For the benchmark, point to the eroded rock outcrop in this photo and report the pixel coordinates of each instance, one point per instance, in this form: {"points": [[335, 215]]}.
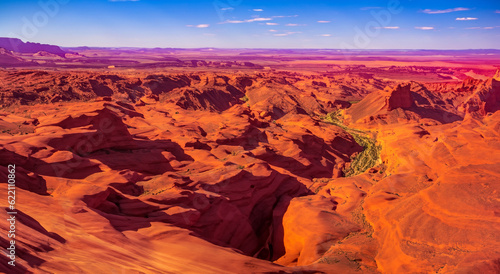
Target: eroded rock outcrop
{"points": [[399, 97], [485, 98]]}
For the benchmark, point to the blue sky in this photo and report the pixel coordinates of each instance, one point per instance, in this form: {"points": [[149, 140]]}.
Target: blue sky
{"points": [[388, 24]]}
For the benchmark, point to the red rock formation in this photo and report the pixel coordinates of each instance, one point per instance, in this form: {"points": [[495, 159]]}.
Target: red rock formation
{"points": [[485, 98], [227, 178], [399, 97], [215, 173]]}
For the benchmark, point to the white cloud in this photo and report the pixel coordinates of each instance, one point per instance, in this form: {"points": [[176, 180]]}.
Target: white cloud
{"points": [[429, 11], [395, 27], [324, 22], [283, 16], [227, 8], [233, 22], [258, 10], [198, 26], [325, 35], [292, 25], [287, 33], [482, 27], [466, 18], [258, 19], [425, 28], [497, 11], [273, 30]]}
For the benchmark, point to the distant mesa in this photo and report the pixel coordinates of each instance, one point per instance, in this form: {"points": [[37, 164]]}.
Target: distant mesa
{"points": [[7, 54], [16, 45], [74, 55], [8, 58], [46, 54]]}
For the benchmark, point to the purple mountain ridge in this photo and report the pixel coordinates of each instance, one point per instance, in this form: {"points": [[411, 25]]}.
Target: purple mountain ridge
{"points": [[17, 45]]}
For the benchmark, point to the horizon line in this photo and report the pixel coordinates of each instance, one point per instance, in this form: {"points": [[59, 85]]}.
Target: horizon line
{"points": [[237, 48], [242, 48]]}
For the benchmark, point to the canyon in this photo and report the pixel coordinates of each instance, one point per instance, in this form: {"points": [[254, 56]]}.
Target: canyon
{"points": [[297, 163]]}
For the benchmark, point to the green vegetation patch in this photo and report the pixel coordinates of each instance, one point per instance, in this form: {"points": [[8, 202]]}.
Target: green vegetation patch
{"points": [[370, 155], [365, 160]]}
